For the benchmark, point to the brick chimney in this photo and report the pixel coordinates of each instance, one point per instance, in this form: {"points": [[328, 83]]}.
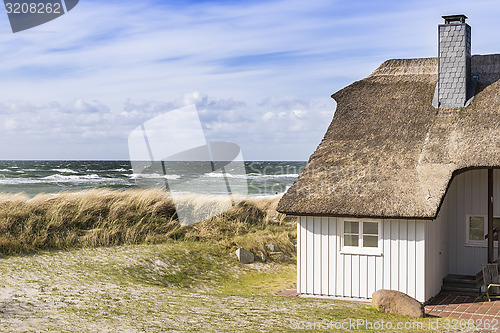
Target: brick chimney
{"points": [[454, 73]]}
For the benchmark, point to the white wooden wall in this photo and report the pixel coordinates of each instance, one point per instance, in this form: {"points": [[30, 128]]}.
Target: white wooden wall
{"points": [[468, 195], [417, 254], [436, 255], [323, 270]]}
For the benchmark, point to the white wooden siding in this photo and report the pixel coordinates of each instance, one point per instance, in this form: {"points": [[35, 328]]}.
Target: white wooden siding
{"points": [[332, 246], [436, 254], [416, 254], [436, 259], [420, 267], [323, 270], [467, 195]]}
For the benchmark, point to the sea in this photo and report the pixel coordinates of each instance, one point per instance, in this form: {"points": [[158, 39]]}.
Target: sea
{"points": [[257, 178]]}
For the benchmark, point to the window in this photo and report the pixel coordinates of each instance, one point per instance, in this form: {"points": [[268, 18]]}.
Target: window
{"points": [[351, 233], [360, 237], [477, 228]]}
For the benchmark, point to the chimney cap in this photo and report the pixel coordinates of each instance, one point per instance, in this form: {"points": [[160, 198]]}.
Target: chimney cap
{"points": [[448, 19]]}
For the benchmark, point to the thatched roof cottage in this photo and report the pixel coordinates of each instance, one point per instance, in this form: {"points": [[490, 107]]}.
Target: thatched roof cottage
{"points": [[397, 194]]}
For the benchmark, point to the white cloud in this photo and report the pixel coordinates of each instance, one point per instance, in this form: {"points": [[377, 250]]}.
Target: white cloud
{"points": [[81, 123], [260, 73]]}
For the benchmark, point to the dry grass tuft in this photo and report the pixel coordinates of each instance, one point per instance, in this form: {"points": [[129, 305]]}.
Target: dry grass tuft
{"points": [[105, 217], [90, 218]]}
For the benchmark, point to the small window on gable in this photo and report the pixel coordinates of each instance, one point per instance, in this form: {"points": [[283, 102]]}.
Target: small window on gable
{"points": [[361, 237]]}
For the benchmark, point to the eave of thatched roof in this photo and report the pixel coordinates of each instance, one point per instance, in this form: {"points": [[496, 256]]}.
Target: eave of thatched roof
{"points": [[389, 153]]}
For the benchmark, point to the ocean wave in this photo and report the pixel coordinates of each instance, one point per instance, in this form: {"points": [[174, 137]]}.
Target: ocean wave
{"points": [[54, 176], [18, 181], [286, 175], [228, 175], [144, 175], [65, 170], [13, 171], [214, 175], [250, 175], [28, 181], [63, 178], [152, 176]]}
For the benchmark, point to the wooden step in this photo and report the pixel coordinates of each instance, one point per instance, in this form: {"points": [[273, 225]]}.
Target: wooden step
{"points": [[460, 289], [462, 283], [464, 279]]}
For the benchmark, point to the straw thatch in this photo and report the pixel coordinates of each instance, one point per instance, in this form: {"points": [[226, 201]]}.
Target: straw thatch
{"points": [[389, 153]]}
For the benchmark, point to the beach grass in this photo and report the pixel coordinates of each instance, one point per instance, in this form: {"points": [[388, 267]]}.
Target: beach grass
{"points": [[103, 217]]}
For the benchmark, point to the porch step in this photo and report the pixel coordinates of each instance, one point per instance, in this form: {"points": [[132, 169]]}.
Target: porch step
{"points": [[462, 283]]}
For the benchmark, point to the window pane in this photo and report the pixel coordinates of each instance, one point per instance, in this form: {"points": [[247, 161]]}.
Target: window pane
{"points": [[496, 222], [476, 228], [370, 241], [370, 228], [476, 234], [476, 222], [351, 227], [496, 225], [351, 240]]}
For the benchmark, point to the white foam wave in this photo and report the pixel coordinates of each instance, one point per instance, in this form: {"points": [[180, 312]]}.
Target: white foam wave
{"points": [[81, 178], [244, 176], [286, 175], [152, 176], [221, 175], [64, 170], [145, 175], [16, 181], [214, 175]]}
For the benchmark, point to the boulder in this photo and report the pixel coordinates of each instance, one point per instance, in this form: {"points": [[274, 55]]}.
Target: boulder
{"points": [[397, 303], [245, 256], [261, 256]]}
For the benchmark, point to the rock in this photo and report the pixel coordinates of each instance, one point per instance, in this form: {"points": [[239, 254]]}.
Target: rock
{"points": [[271, 247], [261, 256], [245, 256], [397, 303], [277, 256]]}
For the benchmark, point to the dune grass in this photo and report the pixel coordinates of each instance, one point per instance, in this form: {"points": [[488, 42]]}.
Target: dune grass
{"points": [[102, 217]]}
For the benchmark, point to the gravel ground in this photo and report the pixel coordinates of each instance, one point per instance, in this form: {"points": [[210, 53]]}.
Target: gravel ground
{"points": [[87, 291], [90, 290]]}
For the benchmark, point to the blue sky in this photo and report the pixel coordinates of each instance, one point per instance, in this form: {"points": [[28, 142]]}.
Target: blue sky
{"points": [[260, 72]]}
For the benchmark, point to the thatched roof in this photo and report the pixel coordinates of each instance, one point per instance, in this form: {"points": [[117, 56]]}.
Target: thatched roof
{"points": [[389, 153]]}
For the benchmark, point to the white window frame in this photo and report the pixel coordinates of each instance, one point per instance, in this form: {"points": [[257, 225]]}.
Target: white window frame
{"points": [[478, 243], [370, 251]]}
